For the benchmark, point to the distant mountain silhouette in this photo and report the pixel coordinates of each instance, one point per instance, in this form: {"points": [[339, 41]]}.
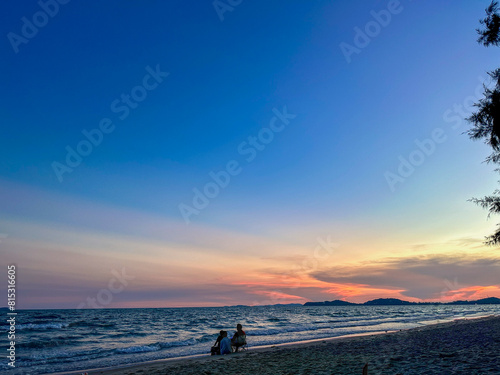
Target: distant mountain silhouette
{"points": [[488, 301], [387, 301], [277, 304], [337, 302], [398, 302]]}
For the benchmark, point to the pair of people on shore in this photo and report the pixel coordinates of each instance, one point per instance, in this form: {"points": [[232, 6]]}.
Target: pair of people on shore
{"points": [[225, 346], [222, 345]]}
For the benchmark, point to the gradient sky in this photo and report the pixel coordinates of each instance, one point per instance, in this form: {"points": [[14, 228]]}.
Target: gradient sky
{"points": [[323, 207]]}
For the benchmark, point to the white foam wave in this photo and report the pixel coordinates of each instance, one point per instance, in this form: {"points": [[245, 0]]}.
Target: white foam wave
{"points": [[36, 327], [139, 349]]}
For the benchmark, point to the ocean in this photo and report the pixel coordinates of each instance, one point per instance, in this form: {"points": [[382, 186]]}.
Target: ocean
{"points": [[67, 340]]}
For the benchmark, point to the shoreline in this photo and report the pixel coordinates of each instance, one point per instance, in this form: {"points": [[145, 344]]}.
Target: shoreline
{"points": [[252, 349], [185, 364]]}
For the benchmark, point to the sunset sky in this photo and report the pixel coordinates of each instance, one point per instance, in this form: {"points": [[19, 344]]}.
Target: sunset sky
{"points": [[198, 153]]}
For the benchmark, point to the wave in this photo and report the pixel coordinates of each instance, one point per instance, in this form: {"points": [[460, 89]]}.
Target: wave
{"points": [[275, 320], [85, 323], [127, 334], [95, 339], [178, 343], [49, 316], [37, 327], [49, 343], [41, 344], [155, 347], [139, 349], [316, 326]]}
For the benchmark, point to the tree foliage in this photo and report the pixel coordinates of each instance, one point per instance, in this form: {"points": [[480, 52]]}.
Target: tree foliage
{"points": [[486, 120], [491, 34], [492, 204]]}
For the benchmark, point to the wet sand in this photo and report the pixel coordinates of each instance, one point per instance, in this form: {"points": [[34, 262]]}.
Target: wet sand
{"points": [[459, 347]]}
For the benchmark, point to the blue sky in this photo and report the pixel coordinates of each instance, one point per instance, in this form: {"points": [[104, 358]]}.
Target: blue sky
{"points": [[324, 174]]}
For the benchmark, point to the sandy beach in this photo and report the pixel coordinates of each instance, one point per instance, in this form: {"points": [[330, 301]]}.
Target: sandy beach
{"points": [[458, 347]]}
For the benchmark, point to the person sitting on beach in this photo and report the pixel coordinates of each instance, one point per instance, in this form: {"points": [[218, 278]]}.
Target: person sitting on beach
{"points": [[216, 347], [225, 344], [239, 338]]}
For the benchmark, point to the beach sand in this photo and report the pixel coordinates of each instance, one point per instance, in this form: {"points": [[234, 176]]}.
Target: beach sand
{"points": [[458, 347]]}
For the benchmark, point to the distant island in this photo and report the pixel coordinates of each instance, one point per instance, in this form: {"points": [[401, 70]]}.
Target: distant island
{"points": [[277, 304], [398, 302]]}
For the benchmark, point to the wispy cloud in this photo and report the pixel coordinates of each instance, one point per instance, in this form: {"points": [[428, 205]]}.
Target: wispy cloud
{"points": [[421, 277]]}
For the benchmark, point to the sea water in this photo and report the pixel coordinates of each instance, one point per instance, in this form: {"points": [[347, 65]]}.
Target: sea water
{"points": [[66, 340]]}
